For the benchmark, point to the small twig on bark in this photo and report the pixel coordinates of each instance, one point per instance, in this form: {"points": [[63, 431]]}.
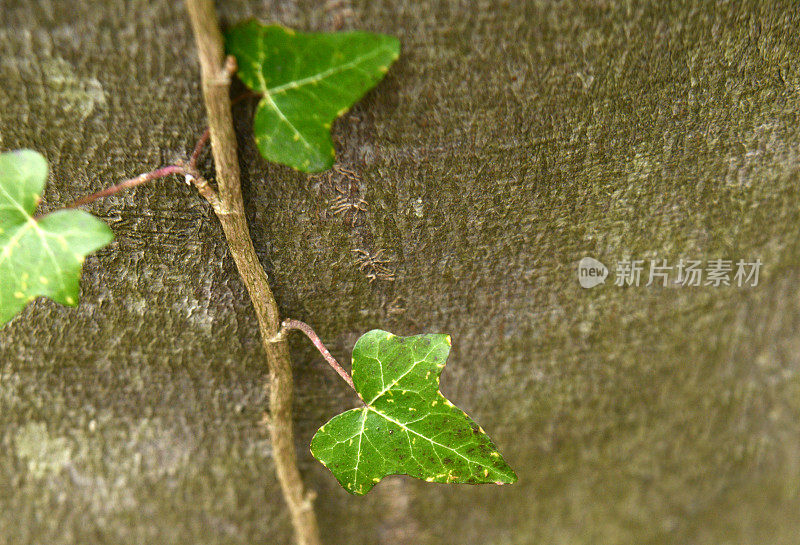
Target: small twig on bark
{"points": [[297, 325]]}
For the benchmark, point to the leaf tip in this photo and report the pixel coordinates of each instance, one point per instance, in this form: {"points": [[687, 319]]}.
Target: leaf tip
{"points": [[510, 479]]}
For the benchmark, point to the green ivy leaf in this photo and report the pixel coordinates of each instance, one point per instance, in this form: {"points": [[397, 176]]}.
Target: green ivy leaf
{"points": [[408, 426], [39, 256], [307, 80]]}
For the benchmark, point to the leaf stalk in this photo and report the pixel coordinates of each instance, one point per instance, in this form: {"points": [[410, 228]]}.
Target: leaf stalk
{"points": [[306, 329], [132, 182]]}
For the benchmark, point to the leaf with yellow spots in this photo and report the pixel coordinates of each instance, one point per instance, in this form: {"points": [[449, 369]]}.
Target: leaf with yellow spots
{"points": [[44, 255], [406, 426], [306, 81]]}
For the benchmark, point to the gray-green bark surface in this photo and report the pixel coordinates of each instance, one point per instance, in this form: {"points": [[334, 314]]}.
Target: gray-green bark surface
{"points": [[510, 140]]}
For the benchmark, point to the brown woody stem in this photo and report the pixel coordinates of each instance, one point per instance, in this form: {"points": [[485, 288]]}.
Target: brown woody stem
{"points": [[216, 72]]}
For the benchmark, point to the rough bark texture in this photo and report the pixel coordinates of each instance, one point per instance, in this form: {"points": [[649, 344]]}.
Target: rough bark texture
{"points": [[510, 140]]}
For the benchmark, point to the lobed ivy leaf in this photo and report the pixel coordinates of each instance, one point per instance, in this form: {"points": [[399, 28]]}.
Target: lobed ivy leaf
{"points": [[307, 80], [39, 256], [408, 426]]}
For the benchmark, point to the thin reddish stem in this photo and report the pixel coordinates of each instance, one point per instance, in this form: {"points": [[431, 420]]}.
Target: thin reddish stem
{"points": [[244, 96], [198, 148], [201, 143], [133, 182], [314, 338], [161, 172]]}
